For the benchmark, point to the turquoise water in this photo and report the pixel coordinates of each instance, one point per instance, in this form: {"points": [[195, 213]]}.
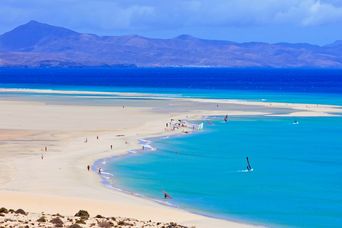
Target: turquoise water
{"points": [[249, 95], [296, 179]]}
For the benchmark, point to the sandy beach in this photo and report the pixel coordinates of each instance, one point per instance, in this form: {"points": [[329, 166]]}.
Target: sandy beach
{"points": [[77, 132]]}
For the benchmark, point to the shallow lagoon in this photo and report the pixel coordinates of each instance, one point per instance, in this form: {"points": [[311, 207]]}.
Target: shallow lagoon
{"points": [[295, 182]]}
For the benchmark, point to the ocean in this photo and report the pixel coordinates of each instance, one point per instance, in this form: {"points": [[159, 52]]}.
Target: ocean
{"points": [[323, 86], [296, 167]]}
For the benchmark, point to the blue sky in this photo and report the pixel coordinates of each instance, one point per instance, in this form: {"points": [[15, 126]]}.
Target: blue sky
{"points": [[311, 21]]}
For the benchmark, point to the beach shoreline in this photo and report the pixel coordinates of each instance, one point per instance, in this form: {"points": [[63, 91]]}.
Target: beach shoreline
{"points": [[139, 151], [83, 186]]}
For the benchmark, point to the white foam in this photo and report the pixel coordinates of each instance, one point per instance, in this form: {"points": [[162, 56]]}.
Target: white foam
{"points": [[245, 171], [51, 91], [164, 202], [90, 93], [148, 146], [107, 174], [144, 141]]}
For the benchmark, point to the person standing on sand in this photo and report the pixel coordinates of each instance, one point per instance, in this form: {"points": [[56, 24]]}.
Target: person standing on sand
{"points": [[111, 147], [88, 167], [97, 137], [42, 157], [100, 171], [45, 148]]}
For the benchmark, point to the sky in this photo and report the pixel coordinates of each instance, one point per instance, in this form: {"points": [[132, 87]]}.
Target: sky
{"points": [[295, 21]]}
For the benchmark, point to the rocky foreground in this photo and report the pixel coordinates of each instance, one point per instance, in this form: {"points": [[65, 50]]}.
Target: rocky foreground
{"points": [[22, 219]]}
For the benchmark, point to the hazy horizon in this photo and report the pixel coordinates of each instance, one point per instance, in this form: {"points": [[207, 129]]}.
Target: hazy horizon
{"points": [[178, 35], [271, 21]]}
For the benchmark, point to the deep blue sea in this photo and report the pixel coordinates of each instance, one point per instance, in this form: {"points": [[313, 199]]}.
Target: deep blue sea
{"points": [[296, 179], [322, 86]]}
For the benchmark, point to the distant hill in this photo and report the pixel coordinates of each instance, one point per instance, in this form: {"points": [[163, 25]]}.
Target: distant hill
{"points": [[36, 44]]}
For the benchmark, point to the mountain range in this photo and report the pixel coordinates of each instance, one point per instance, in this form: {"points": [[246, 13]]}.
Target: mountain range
{"points": [[36, 44]]}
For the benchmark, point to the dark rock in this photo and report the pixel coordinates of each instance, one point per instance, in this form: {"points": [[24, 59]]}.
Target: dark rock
{"points": [[75, 226], [99, 216], [57, 222], [20, 211], [3, 210], [174, 225], [41, 219], [105, 224], [123, 223], [83, 214]]}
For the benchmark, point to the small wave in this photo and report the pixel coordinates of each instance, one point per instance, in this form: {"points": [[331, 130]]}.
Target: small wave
{"points": [[101, 94], [64, 92], [244, 171], [147, 146], [144, 141], [164, 202], [107, 174]]}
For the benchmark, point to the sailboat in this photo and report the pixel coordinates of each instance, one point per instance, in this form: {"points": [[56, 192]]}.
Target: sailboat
{"points": [[249, 167]]}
